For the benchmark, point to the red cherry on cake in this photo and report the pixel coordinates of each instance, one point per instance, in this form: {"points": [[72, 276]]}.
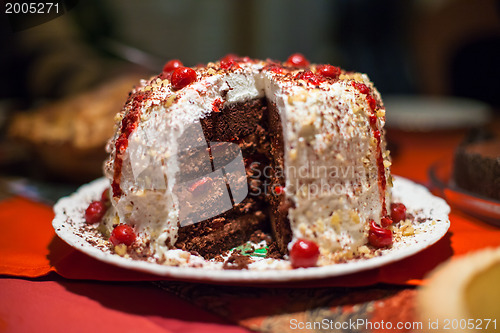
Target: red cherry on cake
{"points": [[230, 60], [398, 212], [297, 60], [226, 64], [328, 71], [230, 56], [172, 65], [378, 236], [122, 234], [95, 212], [182, 77], [304, 253]]}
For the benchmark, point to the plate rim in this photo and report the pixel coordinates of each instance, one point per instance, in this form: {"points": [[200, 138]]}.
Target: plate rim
{"points": [[255, 275]]}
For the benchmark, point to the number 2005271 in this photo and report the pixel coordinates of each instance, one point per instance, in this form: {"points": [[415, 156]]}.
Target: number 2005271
{"points": [[31, 7], [471, 324]]}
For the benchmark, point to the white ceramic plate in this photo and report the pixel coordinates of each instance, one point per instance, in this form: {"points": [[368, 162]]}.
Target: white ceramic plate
{"points": [[69, 220], [427, 113]]}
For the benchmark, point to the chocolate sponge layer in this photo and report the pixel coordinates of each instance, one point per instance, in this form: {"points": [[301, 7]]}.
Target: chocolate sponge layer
{"points": [[255, 126]]}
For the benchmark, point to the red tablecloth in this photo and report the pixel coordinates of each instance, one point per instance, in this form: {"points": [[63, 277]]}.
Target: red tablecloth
{"points": [[58, 305]]}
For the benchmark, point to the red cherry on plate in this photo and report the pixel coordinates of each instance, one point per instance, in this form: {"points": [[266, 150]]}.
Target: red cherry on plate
{"points": [[328, 71], [398, 212], [304, 253], [378, 236], [172, 65], [95, 212], [182, 77], [297, 60], [122, 234]]}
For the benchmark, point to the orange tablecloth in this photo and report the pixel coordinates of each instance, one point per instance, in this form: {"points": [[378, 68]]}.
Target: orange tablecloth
{"points": [[30, 249]]}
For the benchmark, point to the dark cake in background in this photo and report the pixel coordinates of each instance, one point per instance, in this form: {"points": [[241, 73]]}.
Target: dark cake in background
{"points": [[477, 164]]}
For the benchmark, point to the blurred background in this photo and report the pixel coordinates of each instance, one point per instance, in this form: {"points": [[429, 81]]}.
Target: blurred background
{"points": [[62, 81]]}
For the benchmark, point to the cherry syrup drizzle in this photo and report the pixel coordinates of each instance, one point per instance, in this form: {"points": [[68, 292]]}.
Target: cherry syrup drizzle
{"points": [[128, 125], [372, 103]]}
